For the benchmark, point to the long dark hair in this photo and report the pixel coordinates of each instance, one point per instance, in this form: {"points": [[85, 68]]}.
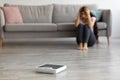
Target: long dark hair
{"points": [[95, 28]]}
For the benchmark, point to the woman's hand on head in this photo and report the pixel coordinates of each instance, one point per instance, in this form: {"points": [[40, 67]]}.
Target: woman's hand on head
{"points": [[88, 12], [77, 20]]}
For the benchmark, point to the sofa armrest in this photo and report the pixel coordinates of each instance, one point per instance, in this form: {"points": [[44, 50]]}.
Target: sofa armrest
{"points": [[106, 17], [2, 22]]}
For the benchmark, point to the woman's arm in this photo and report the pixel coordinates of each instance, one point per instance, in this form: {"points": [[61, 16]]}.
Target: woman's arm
{"points": [[77, 21], [91, 20]]}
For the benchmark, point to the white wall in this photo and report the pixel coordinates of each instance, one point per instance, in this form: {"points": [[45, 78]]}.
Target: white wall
{"points": [[102, 4]]}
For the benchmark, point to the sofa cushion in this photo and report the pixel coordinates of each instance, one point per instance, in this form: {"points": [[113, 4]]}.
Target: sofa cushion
{"points": [[67, 13], [65, 27], [35, 14], [12, 15], [97, 13], [31, 27], [101, 25]]}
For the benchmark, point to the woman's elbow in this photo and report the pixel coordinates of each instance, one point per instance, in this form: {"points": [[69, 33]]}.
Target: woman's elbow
{"points": [[76, 25]]}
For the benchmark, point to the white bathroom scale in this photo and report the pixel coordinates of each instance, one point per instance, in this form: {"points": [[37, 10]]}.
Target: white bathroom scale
{"points": [[50, 68]]}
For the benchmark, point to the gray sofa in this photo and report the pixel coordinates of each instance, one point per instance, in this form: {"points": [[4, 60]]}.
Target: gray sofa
{"points": [[54, 20]]}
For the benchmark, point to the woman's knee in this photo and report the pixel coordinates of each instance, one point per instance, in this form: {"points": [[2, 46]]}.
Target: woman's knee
{"points": [[80, 26], [86, 27]]}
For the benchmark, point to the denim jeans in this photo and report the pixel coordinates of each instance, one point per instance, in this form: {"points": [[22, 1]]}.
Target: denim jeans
{"points": [[85, 35]]}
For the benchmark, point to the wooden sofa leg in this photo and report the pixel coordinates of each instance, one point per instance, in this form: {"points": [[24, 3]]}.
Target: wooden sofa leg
{"points": [[108, 40], [97, 40], [1, 43]]}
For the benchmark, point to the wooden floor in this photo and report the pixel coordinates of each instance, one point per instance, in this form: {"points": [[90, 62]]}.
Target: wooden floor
{"points": [[18, 59]]}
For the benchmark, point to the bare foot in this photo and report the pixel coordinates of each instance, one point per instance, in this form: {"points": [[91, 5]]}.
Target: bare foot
{"points": [[80, 48], [85, 48]]}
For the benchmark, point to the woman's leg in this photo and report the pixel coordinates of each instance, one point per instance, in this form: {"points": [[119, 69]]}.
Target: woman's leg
{"points": [[92, 39], [79, 37], [89, 37], [86, 34], [86, 37]]}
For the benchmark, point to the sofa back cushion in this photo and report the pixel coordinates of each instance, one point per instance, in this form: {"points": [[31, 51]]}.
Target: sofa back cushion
{"points": [[12, 15], [35, 14], [67, 13]]}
